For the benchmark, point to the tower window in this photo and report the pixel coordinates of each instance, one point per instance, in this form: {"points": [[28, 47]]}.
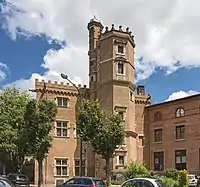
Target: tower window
{"points": [[92, 78], [120, 68], [120, 49]]}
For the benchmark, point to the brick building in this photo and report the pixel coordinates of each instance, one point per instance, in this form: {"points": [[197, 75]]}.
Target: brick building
{"points": [[172, 135], [111, 80]]}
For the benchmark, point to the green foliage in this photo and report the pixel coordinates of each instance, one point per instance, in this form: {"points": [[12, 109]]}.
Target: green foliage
{"points": [[104, 131], [183, 178], [39, 117], [136, 170], [172, 173], [169, 182], [13, 144]]}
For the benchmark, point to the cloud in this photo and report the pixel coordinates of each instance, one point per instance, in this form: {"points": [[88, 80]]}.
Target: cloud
{"points": [[166, 31], [4, 70], [182, 94]]}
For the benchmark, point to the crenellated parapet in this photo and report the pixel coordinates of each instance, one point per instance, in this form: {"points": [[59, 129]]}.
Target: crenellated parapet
{"points": [[143, 100], [126, 32], [57, 88]]}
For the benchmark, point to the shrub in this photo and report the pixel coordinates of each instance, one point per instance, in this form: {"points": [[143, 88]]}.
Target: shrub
{"points": [[136, 170], [183, 178], [169, 182], [172, 173]]}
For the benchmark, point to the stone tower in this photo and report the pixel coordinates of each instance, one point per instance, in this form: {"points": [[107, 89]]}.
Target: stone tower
{"points": [[111, 61]]}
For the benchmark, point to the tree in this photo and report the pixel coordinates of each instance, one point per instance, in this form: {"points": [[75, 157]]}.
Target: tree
{"points": [[39, 117], [103, 130], [13, 146]]}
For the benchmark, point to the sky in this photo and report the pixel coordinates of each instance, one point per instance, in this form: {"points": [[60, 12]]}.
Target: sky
{"points": [[43, 38]]}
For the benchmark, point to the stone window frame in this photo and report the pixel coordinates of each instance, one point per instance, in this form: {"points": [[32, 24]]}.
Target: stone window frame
{"points": [[61, 166], [158, 135], [67, 128], [120, 43], [64, 102], [119, 109], [180, 112], [160, 158], [180, 159], [180, 132], [93, 78], [131, 96], [120, 63], [118, 155], [78, 166]]}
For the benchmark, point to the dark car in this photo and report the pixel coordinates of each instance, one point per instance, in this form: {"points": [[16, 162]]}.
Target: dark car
{"points": [[4, 182], [19, 180], [83, 182]]}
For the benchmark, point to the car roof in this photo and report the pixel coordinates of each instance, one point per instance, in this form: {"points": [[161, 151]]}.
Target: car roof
{"points": [[143, 178], [92, 178]]}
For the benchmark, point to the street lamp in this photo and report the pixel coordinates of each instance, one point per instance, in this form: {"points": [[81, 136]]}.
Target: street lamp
{"points": [[64, 76]]}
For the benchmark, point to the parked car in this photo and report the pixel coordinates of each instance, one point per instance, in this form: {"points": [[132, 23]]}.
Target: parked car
{"points": [[83, 182], [19, 180], [4, 182], [143, 182], [193, 180]]}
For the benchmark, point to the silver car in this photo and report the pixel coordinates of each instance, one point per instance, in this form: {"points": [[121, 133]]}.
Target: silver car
{"points": [[193, 180], [143, 182]]}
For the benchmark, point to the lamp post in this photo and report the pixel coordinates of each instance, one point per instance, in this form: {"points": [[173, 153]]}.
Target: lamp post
{"points": [[64, 76]]}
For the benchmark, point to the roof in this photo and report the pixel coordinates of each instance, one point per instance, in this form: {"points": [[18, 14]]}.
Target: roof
{"points": [[171, 102], [94, 178]]}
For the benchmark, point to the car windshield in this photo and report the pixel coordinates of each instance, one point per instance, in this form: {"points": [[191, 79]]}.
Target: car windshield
{"points": [[21, 177], [99, 182], [159, 183], [191, 176]]}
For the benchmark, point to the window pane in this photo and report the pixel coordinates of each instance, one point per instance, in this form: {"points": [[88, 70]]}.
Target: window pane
{"points": [[58, 170], [64, 124], [65, 101], [121, 160], [58, 124], [120, 49], [64, 132], [64, 170], [59, 101], [83, 171], [58, 132], [64, 162], [77, 163], [120, 68], [76, 171], [59, 182], [58, 162], [83, 163]]}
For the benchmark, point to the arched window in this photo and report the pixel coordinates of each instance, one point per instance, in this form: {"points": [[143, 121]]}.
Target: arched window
{"points": [[157, 116], [180, 112]]}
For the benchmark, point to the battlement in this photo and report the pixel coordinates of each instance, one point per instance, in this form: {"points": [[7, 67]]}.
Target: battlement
{"points": [[58, 87], [124, 32]]}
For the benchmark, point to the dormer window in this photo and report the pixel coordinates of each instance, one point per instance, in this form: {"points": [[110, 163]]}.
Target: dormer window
{"points": [[120, 49], [120, 68]]}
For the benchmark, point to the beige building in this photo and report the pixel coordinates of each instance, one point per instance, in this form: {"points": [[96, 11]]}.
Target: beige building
{"points": [[172, 135], [111, 80]]}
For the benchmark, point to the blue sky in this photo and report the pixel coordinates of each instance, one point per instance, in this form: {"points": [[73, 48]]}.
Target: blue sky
{"points": [[33, 44]]}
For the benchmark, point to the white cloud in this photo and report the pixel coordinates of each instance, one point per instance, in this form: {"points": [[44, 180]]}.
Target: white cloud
{"points": [[166, 31], [4, 70], [181, 94]]}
